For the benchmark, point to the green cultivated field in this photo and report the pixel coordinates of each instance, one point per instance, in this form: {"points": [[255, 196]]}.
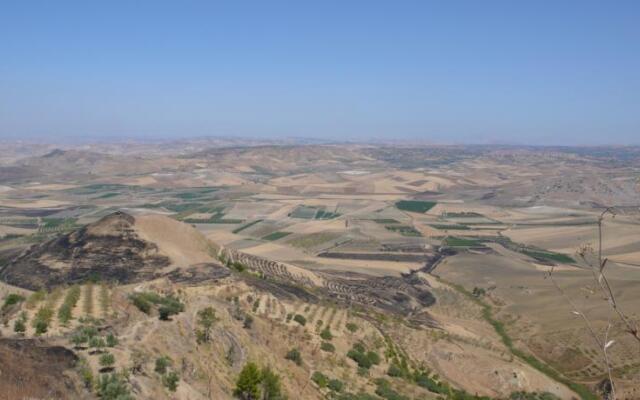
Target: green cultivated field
{"points": [[416, 206], [276, 235], [386, 221], [462, 242], [550, 256], [451, 227]]}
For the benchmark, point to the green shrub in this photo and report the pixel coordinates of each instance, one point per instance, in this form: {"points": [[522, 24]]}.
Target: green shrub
{"points": [[326, 334], [295, 356], [42, 319], [248, 382], [10, 300], [19, 326], [373, 357], [248, 322], [384, 390], [168, 305], [328, 347], [432, 385], [85, 372], [107, 360], [351, 327], [111, 340], [270, 384], [113, 387], [360, 358], [320, 379], [206, 319], [162, 364], [395, 371], [97, 342], [170, 381], [300, 319], [142, 304], [359, 347], [364, 360], [335, 385], [35, 298]]}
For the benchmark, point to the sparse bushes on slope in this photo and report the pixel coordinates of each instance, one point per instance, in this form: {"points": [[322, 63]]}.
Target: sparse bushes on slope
{"points": [[113, 387], [168, 305], [364, 359], [169, 378], [384, 390]]}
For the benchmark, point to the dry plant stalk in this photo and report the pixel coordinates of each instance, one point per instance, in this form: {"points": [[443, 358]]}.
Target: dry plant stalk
{"points": [[597, 264]]}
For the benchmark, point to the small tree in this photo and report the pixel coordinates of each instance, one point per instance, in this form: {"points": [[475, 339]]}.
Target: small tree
{"points": [[248, 383], [170, 381], [19, 326], [41, 327], [206, 319], [300, 319], [271, 388]]}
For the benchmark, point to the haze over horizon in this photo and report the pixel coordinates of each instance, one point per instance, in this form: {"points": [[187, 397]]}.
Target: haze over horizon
{"points": [[493, 72]]}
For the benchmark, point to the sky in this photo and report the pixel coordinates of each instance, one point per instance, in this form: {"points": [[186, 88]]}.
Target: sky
{"points": [[513, 72]]}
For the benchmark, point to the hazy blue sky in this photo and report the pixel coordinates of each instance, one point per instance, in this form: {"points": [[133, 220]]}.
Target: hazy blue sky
{"points": [[545, 72]]}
